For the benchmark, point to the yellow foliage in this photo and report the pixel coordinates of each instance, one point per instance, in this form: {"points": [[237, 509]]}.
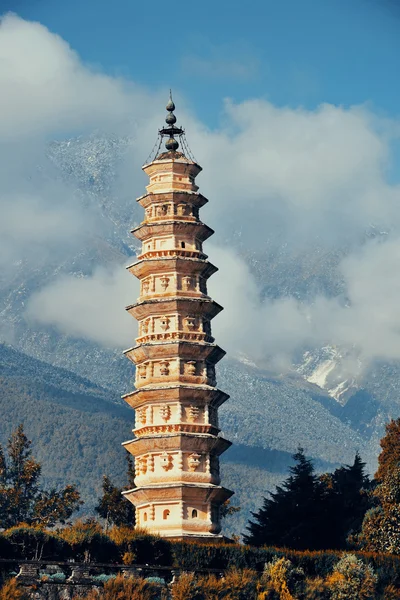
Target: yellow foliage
{"points": [[184, 587], [80, 530], [11, 591], [240, 585], [124, 589], [128, 558], [129, 589], [234, 585], [274, 579], [316, 589], [124, 534], [391, 593], [351, 580]]}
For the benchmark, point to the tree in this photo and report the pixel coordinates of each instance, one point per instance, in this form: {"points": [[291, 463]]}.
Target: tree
{"points": [[293, 515], [21, 498], [380, 530], [347, 498], [228, 509], [389, 457], [112, 506], [88, 541]]}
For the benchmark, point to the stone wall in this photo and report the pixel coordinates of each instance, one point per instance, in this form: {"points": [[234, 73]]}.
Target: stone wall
{"points": [[66, 580]]}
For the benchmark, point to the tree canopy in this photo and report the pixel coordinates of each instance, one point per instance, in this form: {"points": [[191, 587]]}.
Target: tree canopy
{"points": [[113, 507], [22, 499], [311, 512]]}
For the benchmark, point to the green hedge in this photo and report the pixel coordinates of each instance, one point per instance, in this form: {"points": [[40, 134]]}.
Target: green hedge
{"points": [[142, 548]]}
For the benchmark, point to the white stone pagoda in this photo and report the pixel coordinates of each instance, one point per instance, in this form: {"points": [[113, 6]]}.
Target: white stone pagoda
{"points": [[177, 441]]}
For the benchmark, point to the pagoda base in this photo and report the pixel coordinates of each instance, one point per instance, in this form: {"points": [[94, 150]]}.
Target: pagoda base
{"points": [[179, 511]]}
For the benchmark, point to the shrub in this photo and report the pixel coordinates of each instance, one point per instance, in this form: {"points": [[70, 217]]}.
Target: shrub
{"points": [[186, 586], [56, 577], [87, 542], [33, 543], [316, 589], [281, 577], [103, 577], [352, 580], [129, 589], [240, 585], [138, 546], [12, 591], [391, 593]]}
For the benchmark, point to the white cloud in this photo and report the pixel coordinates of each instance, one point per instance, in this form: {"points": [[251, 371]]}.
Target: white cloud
{"points": [[293, 176], [365, 320], [302, 172], [89, 307], [45, 86], [46, 91]]}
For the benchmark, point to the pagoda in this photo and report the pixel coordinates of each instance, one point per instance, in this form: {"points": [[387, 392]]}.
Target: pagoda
{"points": [[177, 442]]}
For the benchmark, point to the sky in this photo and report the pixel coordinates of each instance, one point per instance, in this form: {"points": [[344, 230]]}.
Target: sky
{"points": [[289, 52], [292, 110]]}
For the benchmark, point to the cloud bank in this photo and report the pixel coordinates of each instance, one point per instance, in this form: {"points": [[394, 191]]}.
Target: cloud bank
{"points": [[89, 307], [277, 177]]}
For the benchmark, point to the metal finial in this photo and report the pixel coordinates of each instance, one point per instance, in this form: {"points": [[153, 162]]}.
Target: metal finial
{"points": [[170, 106], [171, 130]]}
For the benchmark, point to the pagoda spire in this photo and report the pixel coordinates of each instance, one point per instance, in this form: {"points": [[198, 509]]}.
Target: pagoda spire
{"points": [[171, 131], [177, 440]]}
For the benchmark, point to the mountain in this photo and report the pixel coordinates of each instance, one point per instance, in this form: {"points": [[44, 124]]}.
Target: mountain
{"points": [[67, 389], [77, 428]]}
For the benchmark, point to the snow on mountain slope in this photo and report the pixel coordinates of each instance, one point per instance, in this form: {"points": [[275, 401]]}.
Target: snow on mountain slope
{"points": [[327, 368], [264, 410]]}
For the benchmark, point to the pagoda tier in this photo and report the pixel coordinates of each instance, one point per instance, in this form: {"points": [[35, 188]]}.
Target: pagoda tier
{"points": [[177, 440]]}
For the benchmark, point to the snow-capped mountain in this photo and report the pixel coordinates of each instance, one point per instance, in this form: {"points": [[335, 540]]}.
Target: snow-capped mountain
{"points": [[327, 368], [322, 403]]}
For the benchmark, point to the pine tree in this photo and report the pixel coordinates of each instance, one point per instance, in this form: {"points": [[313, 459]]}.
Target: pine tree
{"points": [[112, 506], [292, 516], [347, 500], [21, 499]]}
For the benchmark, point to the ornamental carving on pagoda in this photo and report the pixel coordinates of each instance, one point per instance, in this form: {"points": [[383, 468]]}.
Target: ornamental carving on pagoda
{"points": [[177, 443]]}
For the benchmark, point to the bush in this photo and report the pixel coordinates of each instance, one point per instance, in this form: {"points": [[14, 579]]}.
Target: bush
{"points": [[87, 542], [12, 591], [391, 593], [186, 586], [282, 579], [33, 543], [352, 580], [138, 546], [130, 589]]}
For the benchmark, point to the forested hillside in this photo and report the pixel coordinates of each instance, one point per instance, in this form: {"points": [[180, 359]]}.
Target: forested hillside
{"points": [[77, 428]]}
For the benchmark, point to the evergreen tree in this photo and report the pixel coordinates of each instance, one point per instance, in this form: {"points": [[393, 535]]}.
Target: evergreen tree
{"points": [[389, 457], [112, 506], [21, 499], [381, 525], [293, 515], [347, 499]]}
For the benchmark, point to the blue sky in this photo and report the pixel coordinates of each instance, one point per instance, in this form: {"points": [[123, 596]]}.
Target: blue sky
{"points": [[290, 52]]}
